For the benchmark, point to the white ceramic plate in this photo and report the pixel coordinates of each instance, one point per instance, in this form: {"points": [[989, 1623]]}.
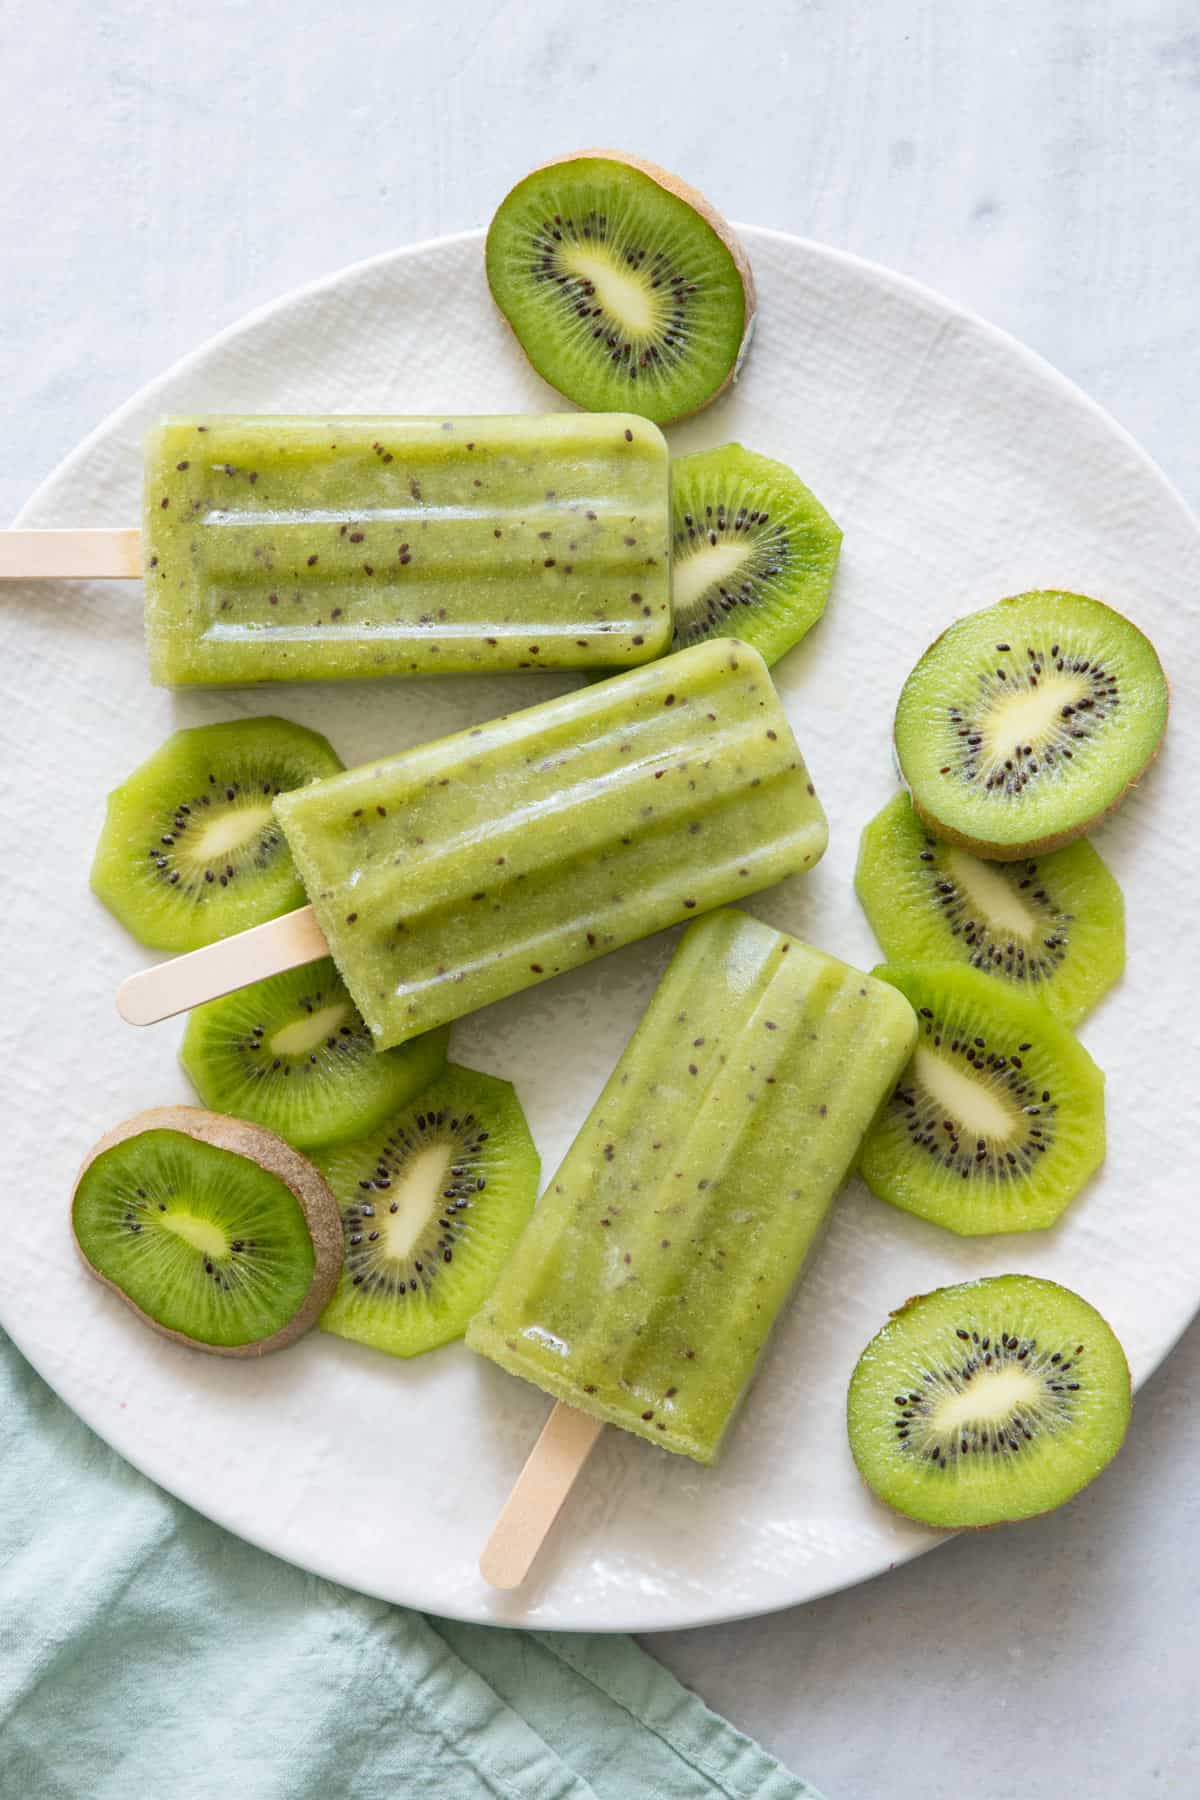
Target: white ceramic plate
{"points": [[962, 469]]}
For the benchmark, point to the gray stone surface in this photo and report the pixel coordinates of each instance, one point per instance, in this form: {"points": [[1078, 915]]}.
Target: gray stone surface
{"points": [[164, 169]]}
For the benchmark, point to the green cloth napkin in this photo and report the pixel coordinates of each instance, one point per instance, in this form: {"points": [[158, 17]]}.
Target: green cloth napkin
{"points": [[145, 1654]]}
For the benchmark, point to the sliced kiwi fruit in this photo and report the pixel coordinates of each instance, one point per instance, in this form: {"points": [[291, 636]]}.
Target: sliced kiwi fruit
{"points": [[753, 552], [190, 851], [432, 1205], [1052, 925], [989, 1401], [997, 1121], [292, 1053], [626, 290], [1026, 723], [215, 1232]]}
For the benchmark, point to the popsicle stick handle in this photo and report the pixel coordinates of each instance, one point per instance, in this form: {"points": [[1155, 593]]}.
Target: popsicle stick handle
{"points": [[70, 555], [537, 1499], [233, 962]]}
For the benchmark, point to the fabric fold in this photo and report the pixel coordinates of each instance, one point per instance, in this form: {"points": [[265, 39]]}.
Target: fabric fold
{"points": [[145, 1651]]}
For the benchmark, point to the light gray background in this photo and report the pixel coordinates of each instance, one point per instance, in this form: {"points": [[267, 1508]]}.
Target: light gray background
{"points": [[165, 168]]}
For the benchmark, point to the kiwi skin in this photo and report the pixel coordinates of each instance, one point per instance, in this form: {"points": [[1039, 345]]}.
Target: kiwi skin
{"points": [[321, 1213], [1055, 840], [996, 1524], [690, 196]]}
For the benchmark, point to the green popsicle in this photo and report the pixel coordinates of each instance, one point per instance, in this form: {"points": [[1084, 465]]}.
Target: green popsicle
{"points": [[315, 549], [645, 1286], [464, 870]]}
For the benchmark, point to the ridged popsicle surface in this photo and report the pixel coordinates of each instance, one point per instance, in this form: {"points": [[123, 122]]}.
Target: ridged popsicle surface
{"points": [[466, 869], [316, 549], [646, 1285]]}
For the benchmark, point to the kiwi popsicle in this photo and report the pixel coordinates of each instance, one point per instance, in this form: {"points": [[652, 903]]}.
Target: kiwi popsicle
{"points": [[280, 548], [645, 1286], [464, 870]]}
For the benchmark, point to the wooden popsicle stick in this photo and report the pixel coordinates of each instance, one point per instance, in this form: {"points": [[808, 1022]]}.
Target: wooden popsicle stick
{"points": [[232, 962], [538, 1496], [70, 555]]}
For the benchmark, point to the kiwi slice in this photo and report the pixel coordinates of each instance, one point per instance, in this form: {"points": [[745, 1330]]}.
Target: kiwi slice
{"points": [[1053, 925], [753, 552], [432, 1205], [292, 1053], [986, 1402], [215, 1232], [626, 291], [997, 1121], [1026, 723], [190, 850]]}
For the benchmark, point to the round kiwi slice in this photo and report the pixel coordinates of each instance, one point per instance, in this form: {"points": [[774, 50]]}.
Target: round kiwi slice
{"points": [[626, 291], [292, 1053], [215, 1232], [997, 1121], [1026, 723], [1053, 925], [432, 1205], [753, 552], [190, 851], [986, 1402]]}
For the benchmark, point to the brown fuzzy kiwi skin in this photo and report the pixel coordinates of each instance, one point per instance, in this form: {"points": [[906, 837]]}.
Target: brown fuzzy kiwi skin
{"points": [[997, 1524], [690, 196], [321, 1212], [988, 852]]}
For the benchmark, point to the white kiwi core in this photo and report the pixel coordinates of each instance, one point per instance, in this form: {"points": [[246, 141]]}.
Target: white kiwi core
{"points": [[712, 565], [1028, 715], [418, 1196], [303, 1035], [990, 1397], [623, 296], [230, 831], [991, 894], [201, 1234], [978, 1110]]}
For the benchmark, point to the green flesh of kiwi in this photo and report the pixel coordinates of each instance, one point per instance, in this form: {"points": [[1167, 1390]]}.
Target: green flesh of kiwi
{"points": [[190, 850], [292, 1053], [997, 1121], [216, 1233], [432, 1205], [753, 551], [625, 290], [1026, 723], [990, 1401], [1053, 925]]}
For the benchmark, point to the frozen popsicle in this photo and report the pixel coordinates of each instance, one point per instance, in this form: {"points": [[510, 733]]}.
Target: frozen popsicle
{"points": [[280, 548], [467, 869], [645, 1286]]}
